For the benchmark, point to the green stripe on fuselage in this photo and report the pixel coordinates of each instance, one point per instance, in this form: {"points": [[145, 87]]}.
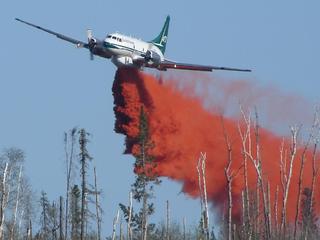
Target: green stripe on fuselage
{"points": [[121, 47]]}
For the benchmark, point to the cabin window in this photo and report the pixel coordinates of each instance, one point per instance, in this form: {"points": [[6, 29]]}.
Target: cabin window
{"points": [[113, 37], [109, 36]]}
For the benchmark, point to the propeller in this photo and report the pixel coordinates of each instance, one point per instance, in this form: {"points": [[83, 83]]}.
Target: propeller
{"points": [[147, 56], [91, 43]]}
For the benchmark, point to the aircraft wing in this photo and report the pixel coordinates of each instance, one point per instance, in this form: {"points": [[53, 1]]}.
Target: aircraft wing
{"points": [[166, 64], [58, 35]]}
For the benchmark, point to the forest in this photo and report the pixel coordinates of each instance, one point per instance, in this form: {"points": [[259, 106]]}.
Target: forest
{"points": [[77, 213]]}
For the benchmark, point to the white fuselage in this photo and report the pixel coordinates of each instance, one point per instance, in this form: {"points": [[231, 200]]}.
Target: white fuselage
{"points": [[129, 51]]}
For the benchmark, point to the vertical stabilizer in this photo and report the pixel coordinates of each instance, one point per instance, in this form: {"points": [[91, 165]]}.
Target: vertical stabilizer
{"points": [[161, 40]]}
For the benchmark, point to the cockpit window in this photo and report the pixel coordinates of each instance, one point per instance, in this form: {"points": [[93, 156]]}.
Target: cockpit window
{"points": [[113, 37], [109, 36]]}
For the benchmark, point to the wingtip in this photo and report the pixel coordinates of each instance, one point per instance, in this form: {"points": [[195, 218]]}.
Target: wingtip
{"points": [[19, 20]]}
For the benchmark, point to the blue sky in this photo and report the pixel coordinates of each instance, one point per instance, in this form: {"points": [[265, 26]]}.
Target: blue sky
{"points": [[48, 86]]}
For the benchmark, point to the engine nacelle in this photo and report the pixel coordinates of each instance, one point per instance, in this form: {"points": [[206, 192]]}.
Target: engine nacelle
{"points": [[122, 61], [152, 57]]}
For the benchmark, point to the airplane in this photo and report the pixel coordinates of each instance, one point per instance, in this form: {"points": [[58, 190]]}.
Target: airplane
{"points": [[128, 51]]}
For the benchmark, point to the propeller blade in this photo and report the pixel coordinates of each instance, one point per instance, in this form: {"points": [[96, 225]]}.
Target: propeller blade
{"points": [[91, 43], [89, 34]]}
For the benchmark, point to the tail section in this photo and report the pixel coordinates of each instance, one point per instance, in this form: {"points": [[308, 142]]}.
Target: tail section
{"points": [[161, 40]]}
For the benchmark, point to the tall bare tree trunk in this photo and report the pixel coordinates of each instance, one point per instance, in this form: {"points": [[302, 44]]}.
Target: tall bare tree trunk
{"points": [[303, 158], [269, 208], [203, 194], [206, 209], [312, 136], [257, 163], [96, 191], [286, 177], [230, 176], [121, 230], [16, 205], [69, 163], [145, 215], [20, 222], [129, 231], [29, 231], [246, 143], [257, 217], [61, 219], [83, 200], [229, 186], [3, 199], [54, 227], [258, 166], [315, 172], [168, 221], [184, 227], [114, 226], [200, 193], [276, 223]]}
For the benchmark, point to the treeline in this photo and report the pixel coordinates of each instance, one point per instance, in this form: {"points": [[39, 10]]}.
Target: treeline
{"points": [[77, 213], [264, 214]]}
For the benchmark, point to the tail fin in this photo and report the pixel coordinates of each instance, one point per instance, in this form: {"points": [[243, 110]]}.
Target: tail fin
{"points": [[161, 40]]}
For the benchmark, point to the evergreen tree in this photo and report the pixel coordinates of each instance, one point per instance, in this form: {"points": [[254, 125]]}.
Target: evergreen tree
{"points": [[45, 216], [145, 179], [48, 218], [84, 158]]}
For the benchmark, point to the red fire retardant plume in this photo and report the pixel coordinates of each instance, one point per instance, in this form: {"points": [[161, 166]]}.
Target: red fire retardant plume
{"points": [[181, 128]]}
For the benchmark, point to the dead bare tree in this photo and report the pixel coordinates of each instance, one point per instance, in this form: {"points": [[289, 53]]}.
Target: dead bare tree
{"points": [[20, 218], [167, 221], [245, 136], [275, 210], [97, 203], [257, 163], [114, 225], [16, 205], [61, 237], [269, 208], [4, 198], [29, 231], [10, 188], [230, 175], [184, 223], [121, 230], [312, 135], [206, 209], [201, 169], [203, 194], [315, 173], [286, 176], [129, 230]]}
